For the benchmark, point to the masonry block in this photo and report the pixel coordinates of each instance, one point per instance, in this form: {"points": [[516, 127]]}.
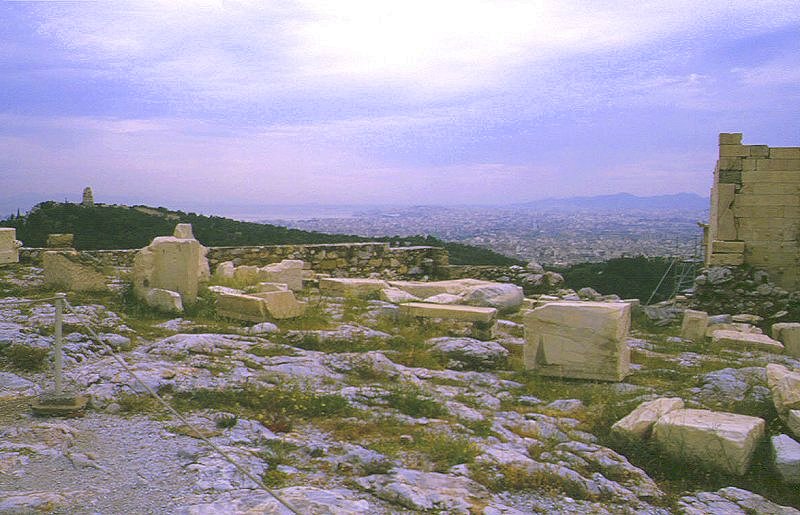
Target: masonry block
{"points": [[734, 151], [785, 153], [726, 259], [759, 150], [774, 165], [727, 247], [730, 138], [730, 176], [730, 163]]}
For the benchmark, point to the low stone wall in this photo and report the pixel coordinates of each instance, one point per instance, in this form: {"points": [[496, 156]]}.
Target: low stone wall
{"points": [[341, 259]]}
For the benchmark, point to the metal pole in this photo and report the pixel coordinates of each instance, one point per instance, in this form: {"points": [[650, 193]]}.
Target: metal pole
{"points": [[59, 303]]}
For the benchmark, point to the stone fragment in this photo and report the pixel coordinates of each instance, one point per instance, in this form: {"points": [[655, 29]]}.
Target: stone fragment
{"points": [[164, 300], [397, 296], [582, 340], [9, 246], [265, 287], [793, 422], [288, 272], [246, 274], [786, 456], [788, 333], [225, 270], [505, 297], [62, 241], [241, 307], [638, 423], [356, 287], [453, 312], [170, 263], [740, 340], [785, 386], [444, 298], [282, 304], [718, 440], [694, 325], [183, 231], [424, 290], [73, 271]]}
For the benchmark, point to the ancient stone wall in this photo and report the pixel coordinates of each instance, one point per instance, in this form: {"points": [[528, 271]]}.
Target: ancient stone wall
{"points": [[344, 259], [755, 209]]}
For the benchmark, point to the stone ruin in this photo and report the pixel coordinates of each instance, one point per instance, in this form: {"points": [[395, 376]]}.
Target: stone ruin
{"points": [[9, 246], [582, 340], [71, 270], [168, 272], [755, 211]]}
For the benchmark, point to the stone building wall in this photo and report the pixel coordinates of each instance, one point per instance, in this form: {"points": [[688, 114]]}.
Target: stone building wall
{"points": [[343, 259], [755, 209]]}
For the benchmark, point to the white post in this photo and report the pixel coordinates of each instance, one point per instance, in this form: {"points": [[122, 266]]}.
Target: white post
{"points": [[59, 304]]}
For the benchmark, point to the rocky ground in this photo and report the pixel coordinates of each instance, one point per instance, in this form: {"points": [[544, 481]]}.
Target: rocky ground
{"points": [[351, 409]]}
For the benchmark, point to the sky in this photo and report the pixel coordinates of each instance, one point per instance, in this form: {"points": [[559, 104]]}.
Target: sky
{"points": [[381, 102]]}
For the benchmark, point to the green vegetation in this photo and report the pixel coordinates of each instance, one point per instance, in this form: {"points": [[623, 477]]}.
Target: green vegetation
{"points": [[414, 403], [128, 227], [630, 278], [25, 357]]}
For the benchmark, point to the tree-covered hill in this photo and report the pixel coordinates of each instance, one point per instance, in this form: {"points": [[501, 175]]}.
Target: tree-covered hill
{"points": [[126, 227]]}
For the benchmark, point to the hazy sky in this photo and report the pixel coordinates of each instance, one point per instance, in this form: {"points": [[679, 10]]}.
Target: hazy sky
{"points": [[403, 102]]}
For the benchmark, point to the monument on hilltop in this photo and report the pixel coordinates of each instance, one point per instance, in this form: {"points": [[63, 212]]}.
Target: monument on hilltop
{"points": [[88, 197]]}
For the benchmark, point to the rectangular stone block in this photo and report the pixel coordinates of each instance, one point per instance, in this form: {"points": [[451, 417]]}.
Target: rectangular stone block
{"points": [[451, 312], [726, 259], [730, 138], [723, 196], [767, 200], [729, 163], [788, 333], [717, 440], [241, 307], [8, 246], [730, 176], [356, 287], [739, 340], [727, 247], [583, 340], [784, 152], [770, 176], [778, 165], [734, 151], [759, 150], [694, 325], [770, 188], [73, 271]]}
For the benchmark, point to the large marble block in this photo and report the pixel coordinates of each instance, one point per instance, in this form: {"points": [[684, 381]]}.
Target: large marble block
{"points": [[583, 340]]}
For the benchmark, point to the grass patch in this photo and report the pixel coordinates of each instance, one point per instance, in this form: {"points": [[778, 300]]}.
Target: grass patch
{"points": [[315, 318], [446, 451], [25, 357], [274, 407], [516, 478], [131, 403], [271, 351], [414, 403]]}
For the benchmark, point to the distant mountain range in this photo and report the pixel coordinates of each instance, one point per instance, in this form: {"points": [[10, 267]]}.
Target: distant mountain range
{"points": [[622, 202]]}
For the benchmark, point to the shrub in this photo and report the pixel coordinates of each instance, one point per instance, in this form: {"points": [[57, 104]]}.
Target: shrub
{"points": [[25, 357]]}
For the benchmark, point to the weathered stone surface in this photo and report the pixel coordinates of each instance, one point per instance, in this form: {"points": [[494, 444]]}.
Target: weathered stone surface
{"points": [[12, 386], [288, 272], [282, 304], [505, 297], [9, 246], [785, 386], [583, 340], [789, 335], [246, 274], [444, 298], [88, 197], [424, 290], [356, 287], [60, 241], [426, 491], [170, 263], [72, 271], [469, 353], [183, 231], [724, 441], [694, 325], [731, 501], [164, 300], [454, 312], [268, 287], [225, 270], [638, 423], [793, 422], [738, 340], [397, 296], [241, 307], [786, 456]]}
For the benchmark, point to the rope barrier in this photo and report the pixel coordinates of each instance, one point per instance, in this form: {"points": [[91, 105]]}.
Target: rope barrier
{"points": [[180, 417]]}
